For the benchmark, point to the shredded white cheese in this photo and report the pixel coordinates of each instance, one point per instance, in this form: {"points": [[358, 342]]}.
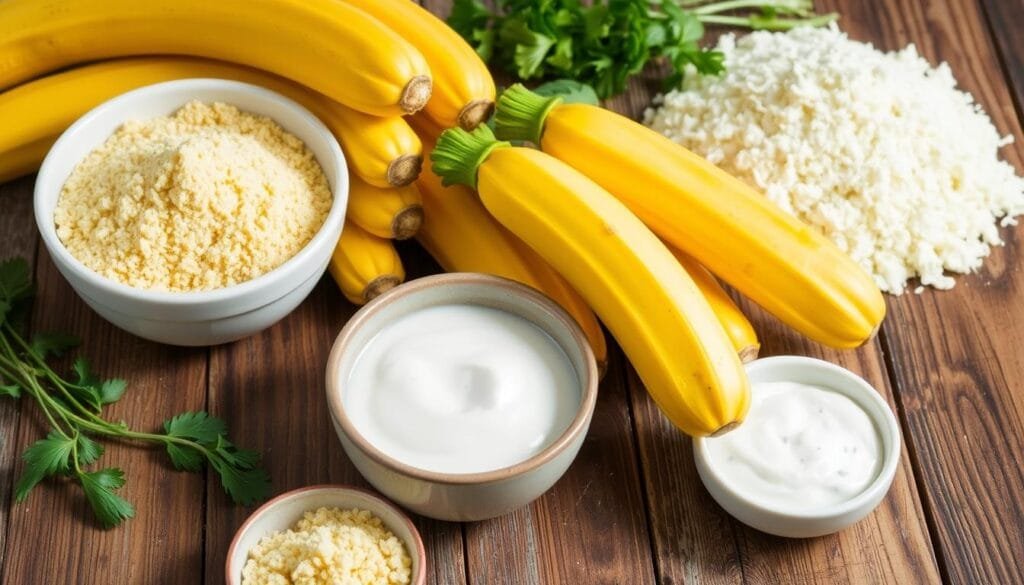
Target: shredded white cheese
{"points": [[879, 151]]}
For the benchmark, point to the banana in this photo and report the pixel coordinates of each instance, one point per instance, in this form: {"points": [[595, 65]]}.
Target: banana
{"points": [[327, 45], [386, 213], [363, 265], [383, 151], [656, 312]]}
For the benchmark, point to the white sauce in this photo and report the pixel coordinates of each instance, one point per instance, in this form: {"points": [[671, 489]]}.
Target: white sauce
{"points": [[801, 447], [461, 389]]}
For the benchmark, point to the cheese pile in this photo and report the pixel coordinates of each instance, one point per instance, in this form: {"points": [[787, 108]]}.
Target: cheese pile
{"points": [[330, 546], [879, 151], [206, 198]]}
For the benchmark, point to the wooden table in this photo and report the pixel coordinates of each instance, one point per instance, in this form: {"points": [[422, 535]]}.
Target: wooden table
{"points": [[631, 509]]}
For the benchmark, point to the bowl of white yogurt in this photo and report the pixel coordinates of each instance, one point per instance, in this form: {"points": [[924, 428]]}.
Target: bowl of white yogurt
{"points": [[461, 396], [817, 452]]}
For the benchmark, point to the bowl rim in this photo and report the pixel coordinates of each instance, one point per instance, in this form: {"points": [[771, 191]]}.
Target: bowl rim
{"points": [[419, 578], [56, 248], [588, 379], [881, 415]]}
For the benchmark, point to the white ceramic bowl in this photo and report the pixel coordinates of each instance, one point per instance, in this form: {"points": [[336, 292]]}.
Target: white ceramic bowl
{"points": [[462, 496], [193, 318], [819, 521], [282, 512]]}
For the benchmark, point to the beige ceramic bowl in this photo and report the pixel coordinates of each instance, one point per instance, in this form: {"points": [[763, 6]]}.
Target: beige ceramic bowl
{"points": [[282, 512], [465, 496]]}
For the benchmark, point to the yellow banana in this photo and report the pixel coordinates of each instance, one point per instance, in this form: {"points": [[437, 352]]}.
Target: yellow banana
{"points": [[326, 45], [741, 333], [463, 92], [656, 312], [383, 151], [386, 213], [769, 256], [364, 266], [463, 237]]}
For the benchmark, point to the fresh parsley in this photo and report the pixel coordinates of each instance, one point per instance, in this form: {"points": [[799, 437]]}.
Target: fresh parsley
{"points": [[605, 43], [73, 407]]}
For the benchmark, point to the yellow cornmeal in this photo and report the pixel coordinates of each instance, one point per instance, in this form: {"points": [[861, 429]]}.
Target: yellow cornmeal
{"points": [[330, 546], [202, 199]]}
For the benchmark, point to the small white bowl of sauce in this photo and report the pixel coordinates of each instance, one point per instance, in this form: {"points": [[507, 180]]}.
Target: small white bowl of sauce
{"points": [[816, 453], [461, 396]]}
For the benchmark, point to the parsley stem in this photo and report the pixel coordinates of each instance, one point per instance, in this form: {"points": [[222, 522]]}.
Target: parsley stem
{"points": [[49, 373], [789, 6], [768, 23]]}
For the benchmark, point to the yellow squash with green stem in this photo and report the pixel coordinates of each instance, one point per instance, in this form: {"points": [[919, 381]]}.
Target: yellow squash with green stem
{"points": [[630, 279], [769, 256]]}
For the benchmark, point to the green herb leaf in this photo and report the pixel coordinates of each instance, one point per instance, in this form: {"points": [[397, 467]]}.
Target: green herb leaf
{"points": [[185, 458], [12, 390], [112, 390], [86, 387], [244, 486], [15, 284], [87, 450], [243, 458], [110, 508], [43, 458], [45, 345], [570, 90], [198, 426], [471, 19]]}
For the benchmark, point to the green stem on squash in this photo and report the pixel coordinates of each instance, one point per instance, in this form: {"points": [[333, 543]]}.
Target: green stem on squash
{"points": [[520, 114], [459, 154]]}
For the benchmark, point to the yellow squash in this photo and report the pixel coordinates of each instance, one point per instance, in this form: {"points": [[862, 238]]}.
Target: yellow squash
{"points": [[634, 284], [383, 151], [395, 213], [463, 92], [364, 266], [326, 45], [463, 237], [741, 333], [769, 256]]}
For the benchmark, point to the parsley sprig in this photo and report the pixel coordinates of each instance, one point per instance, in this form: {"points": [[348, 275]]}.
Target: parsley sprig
{"points": [[73, 408], [609, 41]]}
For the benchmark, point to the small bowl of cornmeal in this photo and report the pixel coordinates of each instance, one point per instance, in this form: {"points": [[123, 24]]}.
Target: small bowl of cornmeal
{"points": [[461, 396]]}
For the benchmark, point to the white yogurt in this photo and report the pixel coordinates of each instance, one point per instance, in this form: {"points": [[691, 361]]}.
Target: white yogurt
{"points": [[801, 448], [461, 388]]}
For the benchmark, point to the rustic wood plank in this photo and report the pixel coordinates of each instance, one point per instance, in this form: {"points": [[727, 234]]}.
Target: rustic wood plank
{"points": [[17, 238], [956, 354], [54, 535], [590, 527], [270, 390], [1006, 23]]}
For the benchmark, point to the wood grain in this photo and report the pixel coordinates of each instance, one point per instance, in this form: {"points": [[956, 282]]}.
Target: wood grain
{"points": [[54, 532], [590, 527], [17, 238], [956, 355]]}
